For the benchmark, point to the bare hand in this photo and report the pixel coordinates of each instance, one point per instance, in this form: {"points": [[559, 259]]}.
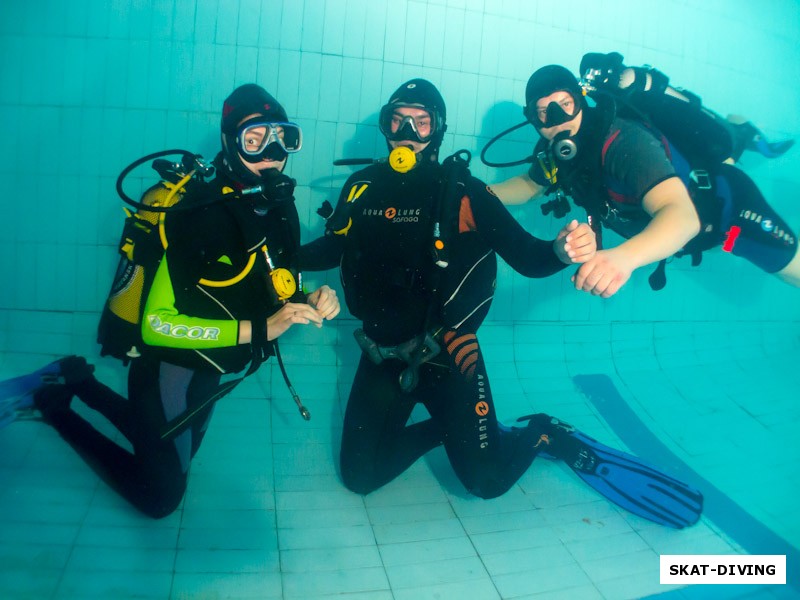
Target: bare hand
{"points": [[325, 301], [604, 274], [576, 243], [290, 314]]}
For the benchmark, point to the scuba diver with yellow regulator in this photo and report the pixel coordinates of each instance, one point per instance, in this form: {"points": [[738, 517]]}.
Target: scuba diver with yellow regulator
{"points": [[416, 242], [207, 282]]}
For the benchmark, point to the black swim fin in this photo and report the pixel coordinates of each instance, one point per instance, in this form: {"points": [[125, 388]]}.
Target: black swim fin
{"points": [[16, 394], [622, 478]]}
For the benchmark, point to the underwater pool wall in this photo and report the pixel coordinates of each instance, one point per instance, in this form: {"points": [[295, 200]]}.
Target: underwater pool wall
{"points": [[88, 87]]}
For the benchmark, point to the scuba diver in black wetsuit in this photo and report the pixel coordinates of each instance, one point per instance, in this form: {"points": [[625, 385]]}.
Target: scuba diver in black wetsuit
{"points": [[224, 291], [420, 318], [417, 242], [663, 182]]}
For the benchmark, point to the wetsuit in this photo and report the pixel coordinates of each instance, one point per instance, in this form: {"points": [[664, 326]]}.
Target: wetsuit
{"points": [[614, 170], [382, 235], [214, 274]]}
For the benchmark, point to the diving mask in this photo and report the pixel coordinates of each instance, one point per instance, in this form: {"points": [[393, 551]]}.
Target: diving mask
{"points": [[259, 140], [399, 127], [557, 112]]}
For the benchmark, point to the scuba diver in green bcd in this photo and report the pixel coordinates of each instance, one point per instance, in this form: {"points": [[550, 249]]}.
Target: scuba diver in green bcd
{"points": [[652, 164], [214, 263], [416, 242]]}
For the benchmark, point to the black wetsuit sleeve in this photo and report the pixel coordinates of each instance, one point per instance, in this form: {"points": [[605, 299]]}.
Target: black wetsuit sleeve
{"points": [[322, 254], [637, 160], [326, 252], [525, 253]]}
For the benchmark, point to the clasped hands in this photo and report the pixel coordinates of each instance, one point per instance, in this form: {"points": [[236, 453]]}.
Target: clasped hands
{"points": [[602, 272], [323, 304]]}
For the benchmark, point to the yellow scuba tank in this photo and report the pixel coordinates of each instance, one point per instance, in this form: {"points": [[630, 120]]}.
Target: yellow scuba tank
{"points": [[141, 248]]}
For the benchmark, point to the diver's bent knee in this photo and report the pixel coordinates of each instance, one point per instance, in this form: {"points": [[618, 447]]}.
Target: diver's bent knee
{"points": [[486, 494], [359, 483], [161, 510], [161, 502], [487, 488], [362, 489]]}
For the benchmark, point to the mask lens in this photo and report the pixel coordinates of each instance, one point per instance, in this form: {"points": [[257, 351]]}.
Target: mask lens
{"points": [[255, 137], [396, 126], [553, 113], [291, 137]]}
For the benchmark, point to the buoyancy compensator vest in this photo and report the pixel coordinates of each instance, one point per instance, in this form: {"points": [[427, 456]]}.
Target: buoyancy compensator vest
{"points": [[460, 273], [697, 141], [141, 249]]}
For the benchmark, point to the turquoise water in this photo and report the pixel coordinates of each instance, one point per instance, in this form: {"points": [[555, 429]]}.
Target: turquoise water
{"points": [[708, 366]]}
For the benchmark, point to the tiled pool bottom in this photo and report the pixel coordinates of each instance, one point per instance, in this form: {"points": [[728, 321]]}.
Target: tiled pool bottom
{"points": [[265, 515]]}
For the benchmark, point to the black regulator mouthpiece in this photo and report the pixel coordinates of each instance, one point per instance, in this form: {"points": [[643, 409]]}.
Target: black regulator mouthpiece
{"points": [[276, 189], [563, 146]]}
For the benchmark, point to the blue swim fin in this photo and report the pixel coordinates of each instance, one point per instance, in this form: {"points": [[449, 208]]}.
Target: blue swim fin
{"points": [[753, 139], [622, 478], [770, 149], [16, 394]]}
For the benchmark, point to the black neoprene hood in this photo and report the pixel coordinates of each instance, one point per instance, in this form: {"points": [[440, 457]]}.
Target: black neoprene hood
{"points": [[250, 99], [546, 81]]}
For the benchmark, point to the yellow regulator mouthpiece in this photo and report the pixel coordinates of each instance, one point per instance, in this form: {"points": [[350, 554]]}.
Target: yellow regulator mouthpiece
{"points": [[284, 283], [402, 159]]}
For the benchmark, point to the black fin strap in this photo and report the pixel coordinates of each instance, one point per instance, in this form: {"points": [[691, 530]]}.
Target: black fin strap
{"points": [[556, 440]]}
